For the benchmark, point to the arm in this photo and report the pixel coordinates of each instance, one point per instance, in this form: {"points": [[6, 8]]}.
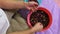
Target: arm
{"points": [[11, 4], [37, 27], [23, 32]]}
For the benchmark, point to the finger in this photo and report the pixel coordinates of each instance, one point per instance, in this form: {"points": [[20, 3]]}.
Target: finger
{"points": [[40, 24], [28, 8], [35, 3], [35, 7]]}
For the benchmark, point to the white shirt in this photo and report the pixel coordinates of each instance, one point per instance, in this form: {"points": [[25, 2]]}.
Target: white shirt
{"points": [[4, 23]]}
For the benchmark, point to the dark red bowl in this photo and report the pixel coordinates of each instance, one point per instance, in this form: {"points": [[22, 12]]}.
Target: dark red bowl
{"points": [[46, 13]]}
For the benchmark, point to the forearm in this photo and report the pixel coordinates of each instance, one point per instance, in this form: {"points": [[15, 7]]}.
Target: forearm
{"points": [[23, 32], [11, 4]]}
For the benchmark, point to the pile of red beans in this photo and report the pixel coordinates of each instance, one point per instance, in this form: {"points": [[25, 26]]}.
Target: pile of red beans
{"points": [[39, 16]]}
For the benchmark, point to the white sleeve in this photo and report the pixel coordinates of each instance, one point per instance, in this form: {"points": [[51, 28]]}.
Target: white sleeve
{"points": [[4, 23]]}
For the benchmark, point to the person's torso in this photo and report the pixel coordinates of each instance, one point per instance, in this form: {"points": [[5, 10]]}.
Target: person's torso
{"points": [[4, 23]]}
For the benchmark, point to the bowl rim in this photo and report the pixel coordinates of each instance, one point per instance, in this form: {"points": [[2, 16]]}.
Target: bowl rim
{"points": [[45, 10]]}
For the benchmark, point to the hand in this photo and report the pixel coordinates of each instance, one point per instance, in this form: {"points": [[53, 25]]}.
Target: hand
{"points": [[37, 27], [31, 5]]}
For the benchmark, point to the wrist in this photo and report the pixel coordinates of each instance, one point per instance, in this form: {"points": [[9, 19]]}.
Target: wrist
{"points": [[32, 30], [25, 4], [21, 4]]}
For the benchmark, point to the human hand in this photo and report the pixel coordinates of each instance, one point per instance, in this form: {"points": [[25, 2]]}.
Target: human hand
{"points": [[37, 27], [31, 5]]}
